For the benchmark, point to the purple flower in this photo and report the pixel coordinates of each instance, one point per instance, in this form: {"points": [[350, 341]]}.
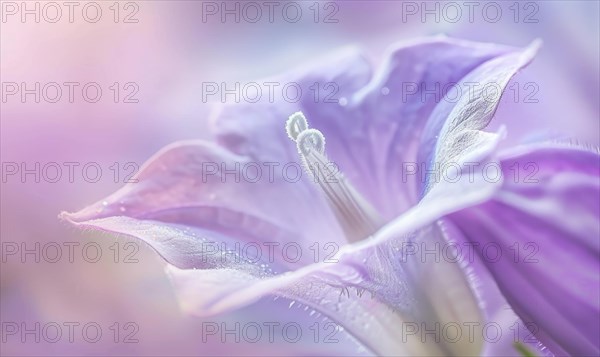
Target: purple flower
{"points": [[402, 173]]}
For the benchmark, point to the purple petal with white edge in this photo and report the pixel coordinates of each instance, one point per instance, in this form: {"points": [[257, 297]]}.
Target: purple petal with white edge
{"points": [[455, 126], [371, 124], [184, 185], [543, 222]]}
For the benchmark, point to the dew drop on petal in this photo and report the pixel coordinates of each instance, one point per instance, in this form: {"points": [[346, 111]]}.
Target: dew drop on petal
{"points": [[343, 101], [385, 91]]}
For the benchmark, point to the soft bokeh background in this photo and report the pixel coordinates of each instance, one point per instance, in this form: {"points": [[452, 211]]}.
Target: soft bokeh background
{"points": [[168, 53]]}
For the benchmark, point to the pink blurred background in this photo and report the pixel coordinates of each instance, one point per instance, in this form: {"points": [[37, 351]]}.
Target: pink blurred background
{"points": [[168, 53]]}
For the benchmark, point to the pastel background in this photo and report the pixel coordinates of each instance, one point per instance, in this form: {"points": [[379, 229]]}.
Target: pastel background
{"points": [[168, 53]]}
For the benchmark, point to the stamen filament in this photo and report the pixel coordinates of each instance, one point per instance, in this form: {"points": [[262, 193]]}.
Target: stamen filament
{"points": [[356, 216]]}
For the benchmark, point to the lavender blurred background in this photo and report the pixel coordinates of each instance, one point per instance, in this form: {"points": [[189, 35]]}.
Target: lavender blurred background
{"points": [[165, 56]]}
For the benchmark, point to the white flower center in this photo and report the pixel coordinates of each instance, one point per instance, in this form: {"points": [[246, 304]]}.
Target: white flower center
{"points": [[356, 216]]}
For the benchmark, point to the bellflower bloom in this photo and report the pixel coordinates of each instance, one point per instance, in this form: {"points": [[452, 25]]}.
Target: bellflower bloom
{"points": [[356, 193]]}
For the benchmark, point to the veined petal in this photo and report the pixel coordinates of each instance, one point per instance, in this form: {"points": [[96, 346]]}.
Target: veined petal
{"points": [[544, 224], [455, 126], [187, 184]]}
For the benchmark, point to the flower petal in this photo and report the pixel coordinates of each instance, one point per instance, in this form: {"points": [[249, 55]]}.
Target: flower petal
{"points": [[373, 295], [185, 184], [497, 314], [455, 126], [544, 223]]}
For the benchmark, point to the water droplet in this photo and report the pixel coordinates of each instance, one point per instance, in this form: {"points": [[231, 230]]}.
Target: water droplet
{"points": [[104, 203], [292, 304], [385, 91], [343, 101]]}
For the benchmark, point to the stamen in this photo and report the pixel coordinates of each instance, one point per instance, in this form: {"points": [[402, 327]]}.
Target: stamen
{"points": [[295, 125], [356, 216], [309, 140]]}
